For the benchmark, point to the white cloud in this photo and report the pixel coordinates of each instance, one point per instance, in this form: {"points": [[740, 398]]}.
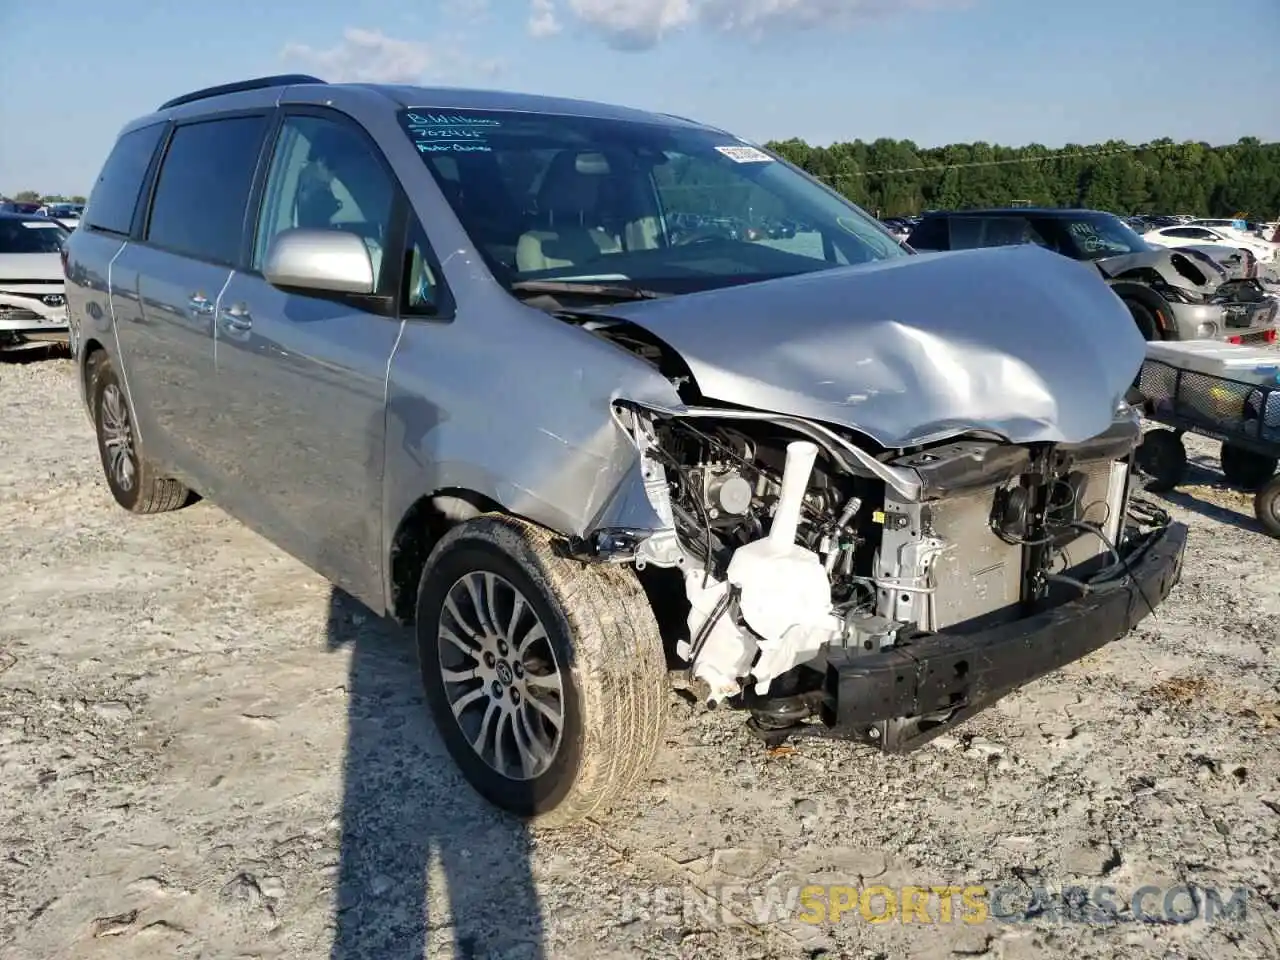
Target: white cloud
{"points": [[365, 56], [639, 24], [370, 56], [542, 19], [634, 24]]}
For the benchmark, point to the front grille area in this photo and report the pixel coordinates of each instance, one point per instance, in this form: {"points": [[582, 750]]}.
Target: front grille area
{"points": [[20, 314]]}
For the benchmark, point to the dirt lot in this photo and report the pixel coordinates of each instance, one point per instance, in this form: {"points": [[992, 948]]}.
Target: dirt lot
{"points": [[204, 752]]}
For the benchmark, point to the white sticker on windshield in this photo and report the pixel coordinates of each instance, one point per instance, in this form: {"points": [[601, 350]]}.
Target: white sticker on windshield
{"points": [[37, 225], [745, 155]]}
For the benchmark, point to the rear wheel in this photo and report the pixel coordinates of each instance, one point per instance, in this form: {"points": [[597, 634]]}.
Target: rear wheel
{"points": [[133, 480], [1266, 506], [1244, 468], [545, 676], [1163, 458]]}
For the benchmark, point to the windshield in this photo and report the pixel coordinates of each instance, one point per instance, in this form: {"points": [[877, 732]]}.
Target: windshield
{"points": [[31, 236], [663, 207], [1094, 236]]}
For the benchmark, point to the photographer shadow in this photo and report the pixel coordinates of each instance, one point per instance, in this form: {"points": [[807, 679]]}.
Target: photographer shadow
{"points": [[408, 816]]}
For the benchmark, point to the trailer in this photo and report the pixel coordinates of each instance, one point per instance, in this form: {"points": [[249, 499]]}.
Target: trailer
{"points": [[1222, 391]]}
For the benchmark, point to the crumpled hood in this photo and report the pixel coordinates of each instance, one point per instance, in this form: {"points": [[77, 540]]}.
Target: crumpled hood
{"points": [[1176, 268], [31, 266], [1018, 341]]}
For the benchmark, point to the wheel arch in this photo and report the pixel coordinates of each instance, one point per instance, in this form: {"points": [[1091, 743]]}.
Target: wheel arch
{"points": [[426, 520], [88, 357], [1135, 286]]}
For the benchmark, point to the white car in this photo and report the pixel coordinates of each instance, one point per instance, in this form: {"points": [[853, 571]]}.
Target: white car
{"points": [[1191, 234], [33, 302], [1236, 229]]}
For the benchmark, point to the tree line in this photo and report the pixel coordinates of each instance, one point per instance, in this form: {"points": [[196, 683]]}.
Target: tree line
{"points": [[35, 196], [896, 177]]}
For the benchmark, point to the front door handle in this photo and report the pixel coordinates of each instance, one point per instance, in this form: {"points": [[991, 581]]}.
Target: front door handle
{"points": [[237, 319], [200, 305]]}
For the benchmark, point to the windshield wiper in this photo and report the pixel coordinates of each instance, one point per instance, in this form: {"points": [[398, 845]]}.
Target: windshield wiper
{"points": [[606, 291]]}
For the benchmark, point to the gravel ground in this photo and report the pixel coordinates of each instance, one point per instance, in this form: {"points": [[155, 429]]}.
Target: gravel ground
{"points": [[205, 752]]}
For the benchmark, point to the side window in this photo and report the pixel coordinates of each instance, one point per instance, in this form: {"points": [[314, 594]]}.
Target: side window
{"points": [[421, 293], [203, 189], [966, 232], [1009, 232], [115, 195], [929, 234], [325, 175]]}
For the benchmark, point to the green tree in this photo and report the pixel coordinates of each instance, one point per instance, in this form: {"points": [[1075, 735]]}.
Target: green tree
{"points": [[898, 176]]}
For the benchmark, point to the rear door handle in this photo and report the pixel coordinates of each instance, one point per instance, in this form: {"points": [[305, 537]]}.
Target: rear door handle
{"points": [[236, 319]]}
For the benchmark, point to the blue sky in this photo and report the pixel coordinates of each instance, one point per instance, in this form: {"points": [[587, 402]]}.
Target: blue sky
{"points": [[934, 71]]}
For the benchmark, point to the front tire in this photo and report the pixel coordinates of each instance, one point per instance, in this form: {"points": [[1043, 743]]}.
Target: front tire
{"points": [[545, 676], [133, 480]]}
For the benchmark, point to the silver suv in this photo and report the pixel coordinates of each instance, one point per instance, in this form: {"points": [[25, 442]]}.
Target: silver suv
{"points": [[537, 377]]}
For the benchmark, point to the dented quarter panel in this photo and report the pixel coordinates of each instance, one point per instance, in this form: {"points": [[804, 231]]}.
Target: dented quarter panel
{"points": [[1018, 341]]}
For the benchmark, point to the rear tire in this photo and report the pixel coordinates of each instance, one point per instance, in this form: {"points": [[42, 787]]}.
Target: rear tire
{"points": [[134, 481], [555, 668], [1266, 506], [1244, 468], [1163, 458]]}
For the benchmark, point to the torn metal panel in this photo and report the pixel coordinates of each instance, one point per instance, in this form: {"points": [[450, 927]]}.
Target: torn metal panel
{"points": [[1176, 269]]}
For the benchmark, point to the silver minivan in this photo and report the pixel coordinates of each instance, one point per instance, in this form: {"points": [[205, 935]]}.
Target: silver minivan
{"points": [[602, 401]]}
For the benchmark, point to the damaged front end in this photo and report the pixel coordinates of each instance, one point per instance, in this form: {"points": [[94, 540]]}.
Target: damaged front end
{"points": [[833, 586]]}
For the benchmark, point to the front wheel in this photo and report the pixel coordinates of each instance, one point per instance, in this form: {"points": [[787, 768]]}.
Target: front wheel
{"points": [[546, 677]]}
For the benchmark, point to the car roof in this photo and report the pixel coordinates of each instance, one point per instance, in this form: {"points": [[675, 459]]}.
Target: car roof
{"points": [[1018, 212], [461, 98], [301, 88]]}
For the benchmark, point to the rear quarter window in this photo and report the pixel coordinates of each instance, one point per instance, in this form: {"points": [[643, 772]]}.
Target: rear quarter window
{"points": [[114, 197]]}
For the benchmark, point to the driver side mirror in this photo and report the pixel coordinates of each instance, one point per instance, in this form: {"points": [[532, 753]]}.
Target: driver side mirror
{"points": [[329, 261]]}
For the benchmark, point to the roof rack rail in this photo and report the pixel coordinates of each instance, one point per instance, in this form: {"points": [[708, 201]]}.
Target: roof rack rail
{"points": [[258, 83]]}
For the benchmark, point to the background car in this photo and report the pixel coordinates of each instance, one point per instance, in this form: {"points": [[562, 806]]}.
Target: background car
{"points": [[1185, 234], [33, 303], [67, 214], [18, 206], [1170, 298]]}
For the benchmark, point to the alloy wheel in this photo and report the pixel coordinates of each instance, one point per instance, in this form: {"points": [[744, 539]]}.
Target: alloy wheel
{"points": [[501, 675], [117, 437]]}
